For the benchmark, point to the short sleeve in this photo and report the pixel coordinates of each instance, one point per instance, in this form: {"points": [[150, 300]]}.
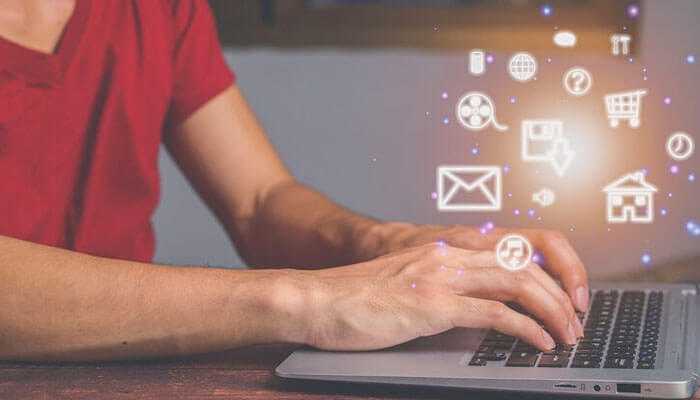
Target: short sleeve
{"points": [[200, 72]]}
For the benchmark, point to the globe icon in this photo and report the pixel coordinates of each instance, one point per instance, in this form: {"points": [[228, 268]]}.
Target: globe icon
{"points": [[522, 67]]}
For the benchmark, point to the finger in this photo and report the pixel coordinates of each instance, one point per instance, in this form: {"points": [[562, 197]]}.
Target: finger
{"points": [[564, 264], [478, 313], [522, 288], [556, 291], [483, 259]]}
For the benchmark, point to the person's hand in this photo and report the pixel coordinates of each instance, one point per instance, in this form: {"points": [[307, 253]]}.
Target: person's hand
{"points": [[560, 258], [427, 290]]}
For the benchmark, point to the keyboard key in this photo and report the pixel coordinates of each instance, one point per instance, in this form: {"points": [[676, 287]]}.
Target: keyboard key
{"points": [[553, 361], [522, 359]]}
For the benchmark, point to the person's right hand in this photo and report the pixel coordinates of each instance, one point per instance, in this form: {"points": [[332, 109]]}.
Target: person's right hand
{"points": [[430, 289]]}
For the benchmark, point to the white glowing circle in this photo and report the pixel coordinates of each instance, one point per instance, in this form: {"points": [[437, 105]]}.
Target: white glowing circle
{"points": [[577, 81], [680, 146], [565, 39], [513, 252], [522, 67]]}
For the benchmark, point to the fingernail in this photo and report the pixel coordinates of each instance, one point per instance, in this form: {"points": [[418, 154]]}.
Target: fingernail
{"points": [[582, 299], [547, 339], [572, 334], [579, 328]]}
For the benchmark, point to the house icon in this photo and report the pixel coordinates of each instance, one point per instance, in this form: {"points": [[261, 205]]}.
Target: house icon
{"points": [[630, 199]]}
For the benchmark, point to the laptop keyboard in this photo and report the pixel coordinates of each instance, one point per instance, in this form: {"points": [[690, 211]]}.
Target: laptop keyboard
{"points": [[621, 331]]}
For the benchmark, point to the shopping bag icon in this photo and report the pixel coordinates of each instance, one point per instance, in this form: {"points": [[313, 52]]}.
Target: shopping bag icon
{"points": [[469, 188]]}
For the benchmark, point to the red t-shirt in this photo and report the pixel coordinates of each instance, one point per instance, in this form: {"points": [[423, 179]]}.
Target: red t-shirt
{"points": [[80, 129]]}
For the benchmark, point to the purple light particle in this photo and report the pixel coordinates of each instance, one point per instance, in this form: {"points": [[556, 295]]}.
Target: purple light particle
{"points": [[644, 70], [510, 194], [516, 212], [549, 60], [475, 151], [490, 59], [413, 285], [633, 10], [483, 231], [674, 169], [664, 212], [536, 258], [434, 195], [690, 59], [670, 194], [460, 271], [693, 228], [691, 177], [506, 169], [646, 258], [444, 95], [427, 113], [546, 10], [667, 100], [513, 99], [531, 212], [446, 121], [645, 171], [441, 243], [630, 60], [490, 225], [645, 78]]}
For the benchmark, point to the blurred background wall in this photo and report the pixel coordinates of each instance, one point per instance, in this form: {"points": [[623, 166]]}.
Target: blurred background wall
{"points": [[367, 128]]}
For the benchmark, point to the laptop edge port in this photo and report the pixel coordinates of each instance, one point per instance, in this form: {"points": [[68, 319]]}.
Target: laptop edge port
{"points": [[629, 388], [565, 386]]}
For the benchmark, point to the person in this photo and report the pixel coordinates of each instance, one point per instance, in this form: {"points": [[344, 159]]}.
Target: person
{"points": [[90, 90]]}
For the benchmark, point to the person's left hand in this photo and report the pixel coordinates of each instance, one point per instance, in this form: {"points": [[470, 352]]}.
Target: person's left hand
{"points": [[560, 258]]}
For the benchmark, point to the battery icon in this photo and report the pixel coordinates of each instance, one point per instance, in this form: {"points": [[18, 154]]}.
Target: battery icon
{"points": [[477, 62]]}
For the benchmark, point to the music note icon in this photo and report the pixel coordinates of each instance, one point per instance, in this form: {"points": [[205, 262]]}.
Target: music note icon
{"points": [[513, 252]]}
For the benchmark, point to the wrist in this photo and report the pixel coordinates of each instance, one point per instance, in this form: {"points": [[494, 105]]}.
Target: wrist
{"points": [[289, 297]]}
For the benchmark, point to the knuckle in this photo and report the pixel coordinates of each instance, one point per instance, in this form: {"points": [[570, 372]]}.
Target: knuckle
{"points": [[496, 311]]}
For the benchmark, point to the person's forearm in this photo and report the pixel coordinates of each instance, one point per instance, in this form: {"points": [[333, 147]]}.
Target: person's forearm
{"points": [[66, 306], [295, 224]]}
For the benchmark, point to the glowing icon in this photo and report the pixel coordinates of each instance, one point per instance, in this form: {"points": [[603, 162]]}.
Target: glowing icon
{"points": [[577, 81], [625, 106], [475, 111], [469, 188], [680, 146], [522, 67], [513, 252], [630, 199], [477, 62], [545, 197], [565, 39], [543, 141], [620, 44]]}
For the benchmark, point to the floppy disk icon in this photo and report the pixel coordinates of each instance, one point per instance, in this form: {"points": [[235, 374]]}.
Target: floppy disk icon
{"points": [[469, 188], [538, 136]]}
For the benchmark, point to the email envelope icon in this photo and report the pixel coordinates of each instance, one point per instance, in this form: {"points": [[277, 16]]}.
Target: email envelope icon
{"points": [[469, 188], [538, 135]]}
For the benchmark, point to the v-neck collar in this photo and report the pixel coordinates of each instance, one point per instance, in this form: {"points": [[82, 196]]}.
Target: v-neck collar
{"points": [[46, 68]]}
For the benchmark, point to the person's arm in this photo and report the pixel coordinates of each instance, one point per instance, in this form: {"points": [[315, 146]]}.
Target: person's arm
{"points": [[274, 220], [58, 305], [62, 305]]}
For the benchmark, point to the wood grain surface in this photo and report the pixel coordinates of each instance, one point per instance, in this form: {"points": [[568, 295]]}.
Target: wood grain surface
{"points": [[240, 374]]}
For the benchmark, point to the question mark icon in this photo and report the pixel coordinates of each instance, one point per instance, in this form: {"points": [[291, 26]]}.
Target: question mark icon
{"points": [[577, 81]]}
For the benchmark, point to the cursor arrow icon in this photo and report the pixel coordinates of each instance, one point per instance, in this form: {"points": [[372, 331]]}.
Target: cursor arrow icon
{"points": [[561, 156]]}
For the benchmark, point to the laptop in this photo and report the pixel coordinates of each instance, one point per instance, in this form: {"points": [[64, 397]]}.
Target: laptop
{"points": [[640, 341]]}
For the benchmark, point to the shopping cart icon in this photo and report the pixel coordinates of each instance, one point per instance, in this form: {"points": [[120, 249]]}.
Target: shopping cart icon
{"points": [[625, 106]]}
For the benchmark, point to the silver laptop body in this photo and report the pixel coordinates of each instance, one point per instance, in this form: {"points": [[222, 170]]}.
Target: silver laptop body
{"points": [[443, 360]]}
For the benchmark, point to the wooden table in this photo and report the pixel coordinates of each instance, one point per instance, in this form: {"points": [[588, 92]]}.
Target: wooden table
{"points": [[240, 374]]}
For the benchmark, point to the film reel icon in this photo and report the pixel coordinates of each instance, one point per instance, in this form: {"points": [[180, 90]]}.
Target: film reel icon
{"points": [[476, 111]]}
